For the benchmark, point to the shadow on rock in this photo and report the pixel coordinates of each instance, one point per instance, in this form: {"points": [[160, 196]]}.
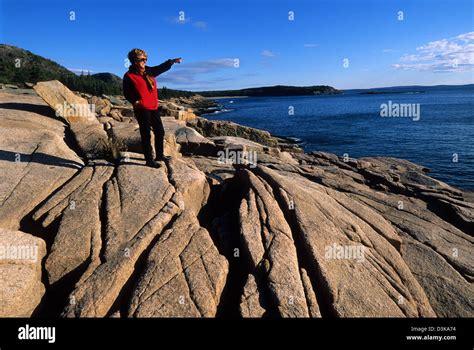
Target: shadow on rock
{"points": [[40, 158], [30, 107]]}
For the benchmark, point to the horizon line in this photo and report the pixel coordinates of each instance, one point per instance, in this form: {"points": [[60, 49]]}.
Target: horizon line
{"points": [[302, 86]]}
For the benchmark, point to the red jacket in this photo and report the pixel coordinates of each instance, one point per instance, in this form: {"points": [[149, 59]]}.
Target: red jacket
{"points": [[135, 87]]}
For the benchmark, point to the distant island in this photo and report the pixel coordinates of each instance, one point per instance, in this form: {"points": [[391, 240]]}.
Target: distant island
{"points": [[409, 89], [277, 90], [390, 92]]}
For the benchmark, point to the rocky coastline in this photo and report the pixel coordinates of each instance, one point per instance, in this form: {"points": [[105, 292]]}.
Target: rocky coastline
{"points": [[239, 223]]}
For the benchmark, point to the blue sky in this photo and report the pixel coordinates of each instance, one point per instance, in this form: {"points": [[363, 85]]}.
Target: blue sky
{"points": [[433, 43]]}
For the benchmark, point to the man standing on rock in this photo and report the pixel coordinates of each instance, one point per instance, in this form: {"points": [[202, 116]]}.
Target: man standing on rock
{"points": [[139, 88]]}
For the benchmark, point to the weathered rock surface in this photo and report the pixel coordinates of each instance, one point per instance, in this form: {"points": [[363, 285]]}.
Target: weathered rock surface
{"points": [[34, 157], [128, 229], [193, 142], [214, 128], [252, 302], [184, 274], [92, 140], [198, 104], [315, 235], [432, 239], [178, 112], [102, 106], [374, 283], [126, 137], [178, 138], [236, 143], [95, 294], [77, 241], [21, 288], [190, 182], [66, 104], [215, 169], [268, 241], [79, 114], [311, 299]]}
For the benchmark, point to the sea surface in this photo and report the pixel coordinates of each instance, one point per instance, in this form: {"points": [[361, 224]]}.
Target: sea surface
{"points": [[436, 131]]}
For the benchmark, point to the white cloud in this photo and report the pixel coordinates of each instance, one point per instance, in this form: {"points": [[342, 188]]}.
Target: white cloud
{"points": [[389, 50], [200, 24], [187, 20], [178, 20], [310, 45], [81, 70], [187, 74], [267, 53], [466, 37], [446, 55], [208, 66]]}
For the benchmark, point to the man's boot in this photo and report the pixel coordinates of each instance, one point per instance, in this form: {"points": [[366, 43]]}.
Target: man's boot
{"points": [[163, 158], [153, 163]]}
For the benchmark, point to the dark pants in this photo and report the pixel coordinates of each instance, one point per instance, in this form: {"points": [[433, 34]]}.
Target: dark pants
{"points": [[148, 119]]}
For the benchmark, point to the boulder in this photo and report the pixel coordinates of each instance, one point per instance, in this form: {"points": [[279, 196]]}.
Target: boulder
{"points": [[186, 115], [116, 115], [117, 100], [126, 137], [122, 114], [193, 142], [92, 140], [77, 112], [168, 108], [105, 120], [171, 125], [213, 128], [101, 106], [216, 170], [66, 104], [21, 289], [190, 182], [171, 147], [236, 144]]}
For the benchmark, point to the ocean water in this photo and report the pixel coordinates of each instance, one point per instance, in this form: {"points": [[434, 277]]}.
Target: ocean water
{"points": [[440, 137]]}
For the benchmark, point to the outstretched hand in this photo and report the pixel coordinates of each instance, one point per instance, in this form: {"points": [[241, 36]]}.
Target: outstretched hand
{"points": [[177, 60]]}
